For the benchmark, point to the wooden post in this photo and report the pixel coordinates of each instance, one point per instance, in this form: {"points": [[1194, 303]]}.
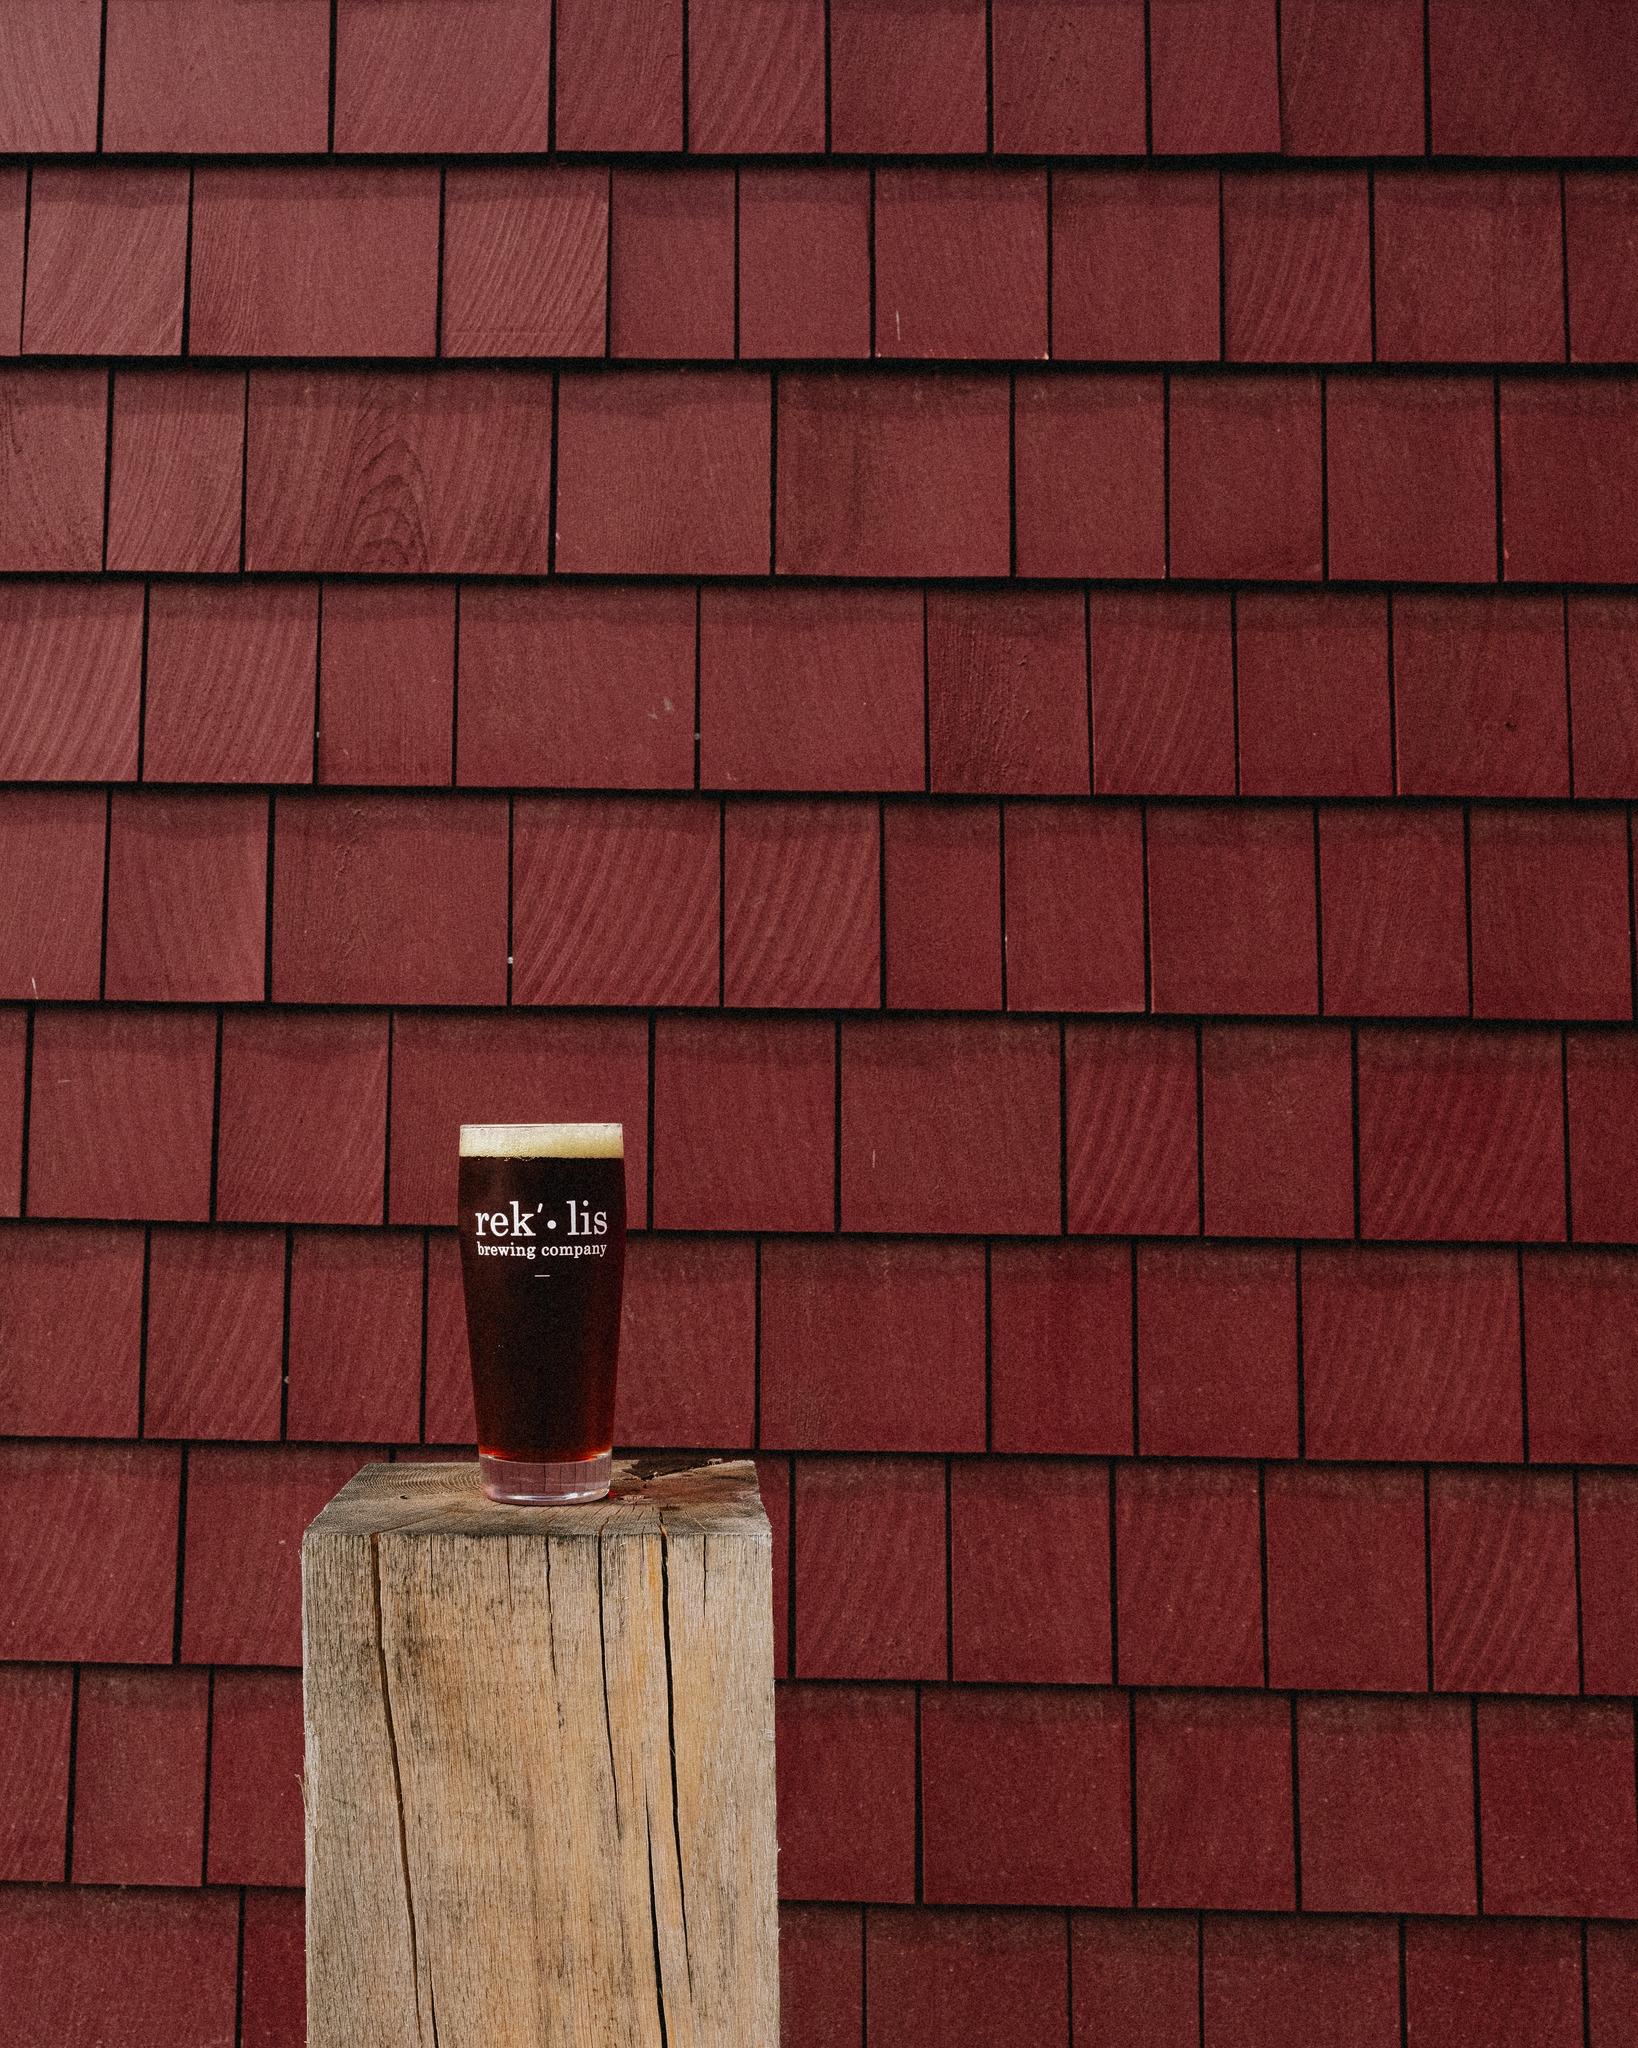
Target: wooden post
{"points": [[540, 1778]]}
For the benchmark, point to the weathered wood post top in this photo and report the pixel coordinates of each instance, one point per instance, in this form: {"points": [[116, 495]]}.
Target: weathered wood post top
{"points": [[540, 1788]]}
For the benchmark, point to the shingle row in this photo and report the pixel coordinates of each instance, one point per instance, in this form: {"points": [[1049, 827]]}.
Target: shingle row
{"points": [[772, 903], [758, 262], [1203, 476], [1169, 1981], [821, 688], [984, 1125], [146, 1964], [1217, 1800], [151, 1963], [1344, 1579], [1175, 76], [1092, 1797], [1358, 1578], [1338, 1352]]}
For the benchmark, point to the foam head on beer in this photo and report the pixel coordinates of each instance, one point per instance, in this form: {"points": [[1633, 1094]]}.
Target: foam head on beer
{"points": [[543, 1141], [542, 1211]]}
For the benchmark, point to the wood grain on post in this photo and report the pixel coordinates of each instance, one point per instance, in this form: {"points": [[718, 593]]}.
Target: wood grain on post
{"points": [[540, 1764]]}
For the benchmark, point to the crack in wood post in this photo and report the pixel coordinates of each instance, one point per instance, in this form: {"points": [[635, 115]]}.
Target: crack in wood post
{"points": [[654, 1925], [671, 1746], [398, 1788], [551, 1629], [603, 1650]]}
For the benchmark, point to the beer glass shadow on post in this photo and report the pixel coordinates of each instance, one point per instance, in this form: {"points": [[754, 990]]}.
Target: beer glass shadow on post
{"points": [[540, 1739]]}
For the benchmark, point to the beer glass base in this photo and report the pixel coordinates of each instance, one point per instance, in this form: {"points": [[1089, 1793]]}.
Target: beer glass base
{"points": [[532, 1483]]}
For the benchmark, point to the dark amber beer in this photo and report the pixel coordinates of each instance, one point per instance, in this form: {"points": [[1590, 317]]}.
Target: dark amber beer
{"points": [[543, 1253]]}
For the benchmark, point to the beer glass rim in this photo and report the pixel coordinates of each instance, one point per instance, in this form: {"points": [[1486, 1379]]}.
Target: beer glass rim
{"points": [[543, 1141]]}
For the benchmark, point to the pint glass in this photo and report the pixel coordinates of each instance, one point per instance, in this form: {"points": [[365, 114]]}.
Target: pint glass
{"points": [[543, 1253]]}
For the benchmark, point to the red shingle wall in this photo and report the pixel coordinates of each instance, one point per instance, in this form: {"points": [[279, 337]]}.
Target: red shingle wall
{"points": [[1003, 626]]}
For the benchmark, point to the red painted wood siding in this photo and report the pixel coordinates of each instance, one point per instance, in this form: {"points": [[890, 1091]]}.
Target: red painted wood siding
{"points": [[1006, 627]]}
